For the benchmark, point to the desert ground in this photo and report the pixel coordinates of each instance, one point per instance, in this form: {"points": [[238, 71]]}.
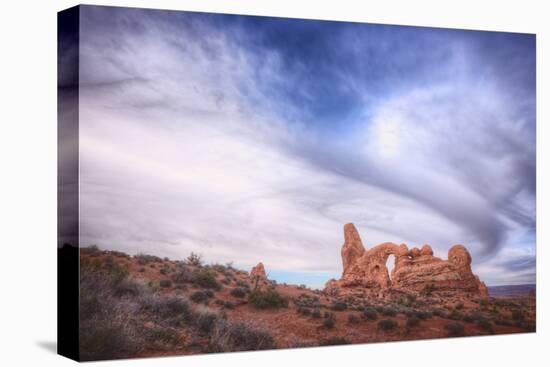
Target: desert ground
{"points": [[144, 305]]}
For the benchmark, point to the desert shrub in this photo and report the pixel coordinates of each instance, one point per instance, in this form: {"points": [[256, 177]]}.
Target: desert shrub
{"points": [[225, 304], [171, 309], [303, 311], [455, 315], [146, 259], [205, 320], [440, 313], [517, 315], [219, 268], [477, 316], [243, 283], [161, 337], [106, 339], [269, 298], [459, 306], [92, 250], [316, 313], [194, 259], [238, 292], [387, 324], [181, 287], [141, 270], [165, 283], [370, 313], [412, 321], [229, 337], [200, 296], [128, 287], [107, 330], [153, 284], [334, 340], [485, 325], [424, 315], [353, 318], [329, 321], [206, 279], [455, 329], [305, 300], [467, 318], [379, 309], [388, 311], [338, 306], [182, 274], [116, 272], [164, 270]]}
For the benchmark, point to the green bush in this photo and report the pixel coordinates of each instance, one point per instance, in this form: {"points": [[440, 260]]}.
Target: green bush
{"points": [[517, 315], [269, 298], [455, 315], [194, 259], [440, 313], [92, 249], [161, 337], [329, 321], [339, 306], [353, 318], [171, 309], [424, 315], [205, 320], [316, 313], [388, 311], [225, 304], [370, 313], [165, 283], [230, 337], [182, 274], [387, 324], [243, 283], [485, 325], [146, 259], [200, 296], [206, 279], [238, 292], [467, 318]]}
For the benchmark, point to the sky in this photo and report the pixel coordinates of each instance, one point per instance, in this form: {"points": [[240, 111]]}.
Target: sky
{"points": [[250, 139]]}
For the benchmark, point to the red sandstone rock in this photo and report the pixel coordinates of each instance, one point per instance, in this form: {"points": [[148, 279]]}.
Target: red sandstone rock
{"points": [[414, 270], [258, 271], [353, 246]]}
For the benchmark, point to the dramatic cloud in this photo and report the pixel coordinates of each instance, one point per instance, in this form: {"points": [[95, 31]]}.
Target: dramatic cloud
{"points": [[249, 138]]}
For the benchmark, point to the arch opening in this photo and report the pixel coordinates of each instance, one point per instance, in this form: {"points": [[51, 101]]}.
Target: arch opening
{"points": [[390, 264]]}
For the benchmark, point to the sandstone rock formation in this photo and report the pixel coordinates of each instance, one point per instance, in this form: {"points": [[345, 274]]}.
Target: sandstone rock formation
{"points": [[415, 269], [258, 271]]}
